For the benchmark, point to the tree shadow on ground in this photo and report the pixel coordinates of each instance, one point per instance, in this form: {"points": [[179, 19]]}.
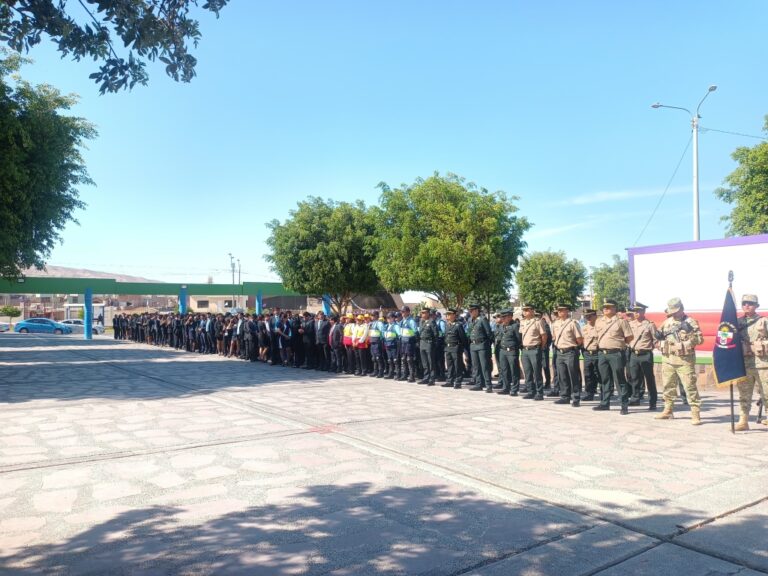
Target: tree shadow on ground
{"points": [[352, 529]]}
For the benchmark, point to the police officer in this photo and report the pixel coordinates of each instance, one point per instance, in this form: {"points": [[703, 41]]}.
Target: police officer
{"points": [[589, 349], [480, 338], [455, 343], [641, 357], [509, 353], [534, 341], [375, 332], [678, 337], [613, 334], [391, 336], [408, 337], [567, 341], [439, 346], [427, 344], [753, 330]]}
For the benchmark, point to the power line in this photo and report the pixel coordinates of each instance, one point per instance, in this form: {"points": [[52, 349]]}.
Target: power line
{"points": [[732, 133], [669, 183]]}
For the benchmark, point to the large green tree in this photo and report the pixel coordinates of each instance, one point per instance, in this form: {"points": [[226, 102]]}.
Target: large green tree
{"points": [[611, 281], [41, 168], [447, 237], [325, 247], [546, 279], [747, 190], [121, 35]]}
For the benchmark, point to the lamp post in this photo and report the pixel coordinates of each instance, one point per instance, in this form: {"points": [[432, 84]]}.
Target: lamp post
{"points": [[695, 126], [238, 275], [232, 265]]}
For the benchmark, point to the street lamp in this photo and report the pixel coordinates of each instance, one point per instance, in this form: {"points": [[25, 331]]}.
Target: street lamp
{"points": [[232, 265], [695, 126]]}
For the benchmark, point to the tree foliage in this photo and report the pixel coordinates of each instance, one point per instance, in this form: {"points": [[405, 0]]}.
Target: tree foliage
{"points": [[40, 168], [611, 281], [747, 189], [10, 312], [325, 248], [546, 279], [121, 35], [447, 237]]}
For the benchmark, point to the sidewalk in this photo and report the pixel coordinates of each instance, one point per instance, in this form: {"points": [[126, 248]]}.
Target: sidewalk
{"points": [[118, 458]]}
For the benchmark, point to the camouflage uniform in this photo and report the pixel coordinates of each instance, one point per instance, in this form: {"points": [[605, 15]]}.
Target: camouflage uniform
{"points": [[754, 341], [678, 338]]}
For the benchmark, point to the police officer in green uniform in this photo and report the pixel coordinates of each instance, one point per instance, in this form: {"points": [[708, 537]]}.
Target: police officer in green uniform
{"points": [[509, 353], [455, 343], [480, 338], [427, 343]]}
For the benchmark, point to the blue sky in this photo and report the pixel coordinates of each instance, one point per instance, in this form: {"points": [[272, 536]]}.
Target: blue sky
{"points": [[548, 101]]}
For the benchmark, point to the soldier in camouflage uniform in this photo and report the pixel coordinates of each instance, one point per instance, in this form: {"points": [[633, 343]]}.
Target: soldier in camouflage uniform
{"points": [[753, 330], [678, 337]]}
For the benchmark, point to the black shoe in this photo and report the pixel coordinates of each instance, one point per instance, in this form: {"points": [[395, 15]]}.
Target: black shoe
{"points": [[554, 393], [498, 386], [601, 407], [424, 381], [513, 393], [477, 388], [634, 402], [446, 385], [489, 390], [588, 397], [562, 401], [431, 383], [539, 397], [503, 391], [529, 396], [652, 407], [576, 403], [412, 380], [457, 386], [624, 410]]}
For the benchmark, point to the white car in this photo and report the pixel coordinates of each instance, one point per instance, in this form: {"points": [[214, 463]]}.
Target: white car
{"points": [[78, 327], [4, 327]]}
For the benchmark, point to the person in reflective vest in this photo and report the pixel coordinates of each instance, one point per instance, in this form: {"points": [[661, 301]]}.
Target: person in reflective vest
{"points": [[391, 340], [375, 333], [349, 331], [409, 331], [360, 344]]}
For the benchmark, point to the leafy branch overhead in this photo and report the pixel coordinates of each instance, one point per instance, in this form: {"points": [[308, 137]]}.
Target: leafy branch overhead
{"points": [[120, 35]]}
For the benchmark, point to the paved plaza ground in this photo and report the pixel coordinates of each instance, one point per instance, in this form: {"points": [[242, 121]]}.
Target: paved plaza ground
{"points": [[118, 458]]}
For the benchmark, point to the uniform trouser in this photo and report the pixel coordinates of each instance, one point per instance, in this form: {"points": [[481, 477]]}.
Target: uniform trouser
{"points": [[508, 369], [641, 373], [309, 354], [407, 355], [454, 369], [481, 365], [756, 378], [323, 354], [591, 373], [337, 359], [680, 369], [440, 358], [545, 367], [377, 358], [361, 355], [427, 353], [612, 366], [569, 375], [350, 353], [532, 370]]}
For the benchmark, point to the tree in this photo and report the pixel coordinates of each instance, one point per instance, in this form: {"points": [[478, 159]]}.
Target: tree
{"points": [[10, 312], [611, 281], [546, 279], [325, 248], [490, 300], [747, 190], [447, 237], [145, 30], [40, 170]]}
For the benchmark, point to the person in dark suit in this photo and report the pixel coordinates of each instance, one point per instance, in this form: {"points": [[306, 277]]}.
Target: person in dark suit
{"points": [[336, 345], [308, 340], [322, 348]]}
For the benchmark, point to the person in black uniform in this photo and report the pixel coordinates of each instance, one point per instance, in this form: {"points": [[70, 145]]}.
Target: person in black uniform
{"points": [[455, 343], [509, 354], [427, 343], [480, 338], [308, 341], [336, 345], [322, 348]]}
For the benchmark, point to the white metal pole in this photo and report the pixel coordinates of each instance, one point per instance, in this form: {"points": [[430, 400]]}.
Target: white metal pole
{"points": [[695, 125]]}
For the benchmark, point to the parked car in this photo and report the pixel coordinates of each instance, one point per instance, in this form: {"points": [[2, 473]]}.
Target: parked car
{"points": [[78, 326], [4, 327], [42, 326]]}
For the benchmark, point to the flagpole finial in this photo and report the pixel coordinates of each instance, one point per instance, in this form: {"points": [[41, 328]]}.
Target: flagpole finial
{"points": [[730, 278]]}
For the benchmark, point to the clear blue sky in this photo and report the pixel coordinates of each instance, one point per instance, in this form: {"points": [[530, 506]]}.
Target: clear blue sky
{"points": [[549, 101]]}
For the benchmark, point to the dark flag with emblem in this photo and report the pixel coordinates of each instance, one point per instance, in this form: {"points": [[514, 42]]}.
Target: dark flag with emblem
{"points": [[727, 357]]}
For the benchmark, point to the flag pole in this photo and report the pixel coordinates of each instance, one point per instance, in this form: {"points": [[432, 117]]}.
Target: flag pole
{"points": [[733, 413]]}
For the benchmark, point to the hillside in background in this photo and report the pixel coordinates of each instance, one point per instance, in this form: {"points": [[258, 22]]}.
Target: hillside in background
{"points": [[64, 272]]}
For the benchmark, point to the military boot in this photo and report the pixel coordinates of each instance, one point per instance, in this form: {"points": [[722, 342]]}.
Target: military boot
{"points": [[743, 423], [695, 416], [667, 414]]}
